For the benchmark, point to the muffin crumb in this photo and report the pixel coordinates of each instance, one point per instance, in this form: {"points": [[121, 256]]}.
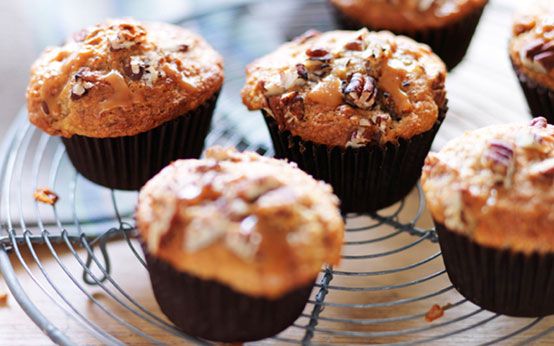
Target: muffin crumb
{"points": [[436, 312], [46, 196]]}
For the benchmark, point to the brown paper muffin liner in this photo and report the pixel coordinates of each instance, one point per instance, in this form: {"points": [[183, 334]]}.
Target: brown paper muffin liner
{"points": [[213, 311], [501, 281], [127, 163], [450, 42], [539, 98], [365, 179]]}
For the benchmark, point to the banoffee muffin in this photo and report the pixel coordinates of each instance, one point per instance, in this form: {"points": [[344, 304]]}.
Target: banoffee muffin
{"points": [[532, 54], [127, 98], [446, 25], [491, 194], [235, 241], [356, 109]]}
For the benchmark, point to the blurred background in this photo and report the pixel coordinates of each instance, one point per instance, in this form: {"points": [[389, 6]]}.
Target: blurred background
{"points": [[30, 25]]}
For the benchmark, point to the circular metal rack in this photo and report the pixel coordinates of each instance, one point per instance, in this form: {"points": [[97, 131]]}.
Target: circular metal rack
{"points": [[391, 274]]}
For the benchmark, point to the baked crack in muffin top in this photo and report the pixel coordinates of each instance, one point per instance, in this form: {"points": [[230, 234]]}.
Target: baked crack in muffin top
{"points": [[121, 78], [349, 88]]}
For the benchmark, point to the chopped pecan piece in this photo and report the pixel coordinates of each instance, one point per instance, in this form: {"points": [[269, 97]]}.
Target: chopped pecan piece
{"points": [[45, 108], [85, 74], [307, 36], [539, 122], [436, 312], [318, 62], [302, 71], [544, 168], [45, 195], [357, 138], [135, 69], [360, 91], [272, 89], [183, 48], [318, 54], [83, 81], [293, 105], [80, 35], [246, 241], [546, 59], [250, 191], [533, 48], [125, 36], [355, 45], [499, 157], [541, 53]]}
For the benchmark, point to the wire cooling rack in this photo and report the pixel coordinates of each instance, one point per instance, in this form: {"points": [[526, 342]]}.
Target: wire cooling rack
{"points": [[80, 259]]}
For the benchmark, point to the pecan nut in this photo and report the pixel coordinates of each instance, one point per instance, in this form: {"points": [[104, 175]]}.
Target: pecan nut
{"points": [[544, 168], [308, 35], [541, 53], [318, 54], [360, 91], [293, 105], [45, 195], [499, 157], [302, 71], [83, 81], [135, 69], [539, 122], [356, 45]]}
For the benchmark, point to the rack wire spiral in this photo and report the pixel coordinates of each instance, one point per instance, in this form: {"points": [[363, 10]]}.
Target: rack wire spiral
{"points": [[391, 274]]}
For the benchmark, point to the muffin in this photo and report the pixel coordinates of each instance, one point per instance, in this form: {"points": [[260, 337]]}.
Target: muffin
{"points": [[532, 53], [491, 195], [234, 242], [127, 98], [356, 109], [445, 25]]}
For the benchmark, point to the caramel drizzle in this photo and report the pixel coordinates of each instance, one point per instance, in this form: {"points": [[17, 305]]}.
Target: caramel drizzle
{"points": [[327, 92], [179, 78], [122, 95], [50, 94], [391, 82], [52, 87]]}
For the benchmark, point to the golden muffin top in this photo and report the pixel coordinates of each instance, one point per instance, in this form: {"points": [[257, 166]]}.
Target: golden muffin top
{"points": [[349, 88], [496, 185], [532, 43], [259, 225], [121, 78], [407, 15]]}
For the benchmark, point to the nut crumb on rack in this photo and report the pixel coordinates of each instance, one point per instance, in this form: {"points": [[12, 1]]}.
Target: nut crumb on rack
{"points": [[3, 293], [97, 296], [46, 196], [436, 312]]}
